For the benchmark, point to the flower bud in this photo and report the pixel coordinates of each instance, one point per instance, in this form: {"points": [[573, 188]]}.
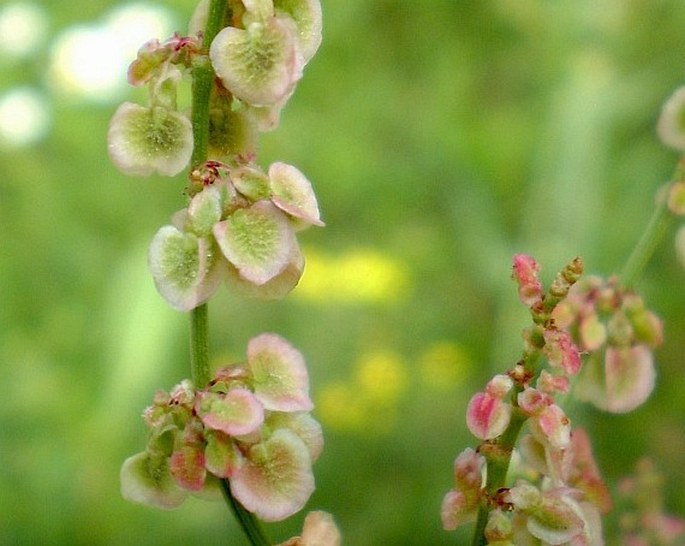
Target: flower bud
{"points": [[487, 416], [560, 351], [460, 505], [525, 273]]}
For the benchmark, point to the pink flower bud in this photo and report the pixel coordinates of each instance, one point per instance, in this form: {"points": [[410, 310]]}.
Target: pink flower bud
{"points": [[525, 273], [550, 384], [499, 386], [460, 505], [533, 401], [560, 351], [235, 413], [554, 426], [548, 422], [487, 416], [468, 470], [187, 465]]}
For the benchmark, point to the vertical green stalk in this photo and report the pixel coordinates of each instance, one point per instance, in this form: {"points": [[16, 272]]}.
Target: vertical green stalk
{"points": [[648, 243], [199, 346], [203, 79], [246, 519], [498, 457], [654, 232]]}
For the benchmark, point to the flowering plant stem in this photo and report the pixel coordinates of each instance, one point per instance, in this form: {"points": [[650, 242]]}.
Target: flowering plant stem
{"points": [[199, 345], [247, 521], [203, 76], [645, 247], [498, 457], [653, 234]]}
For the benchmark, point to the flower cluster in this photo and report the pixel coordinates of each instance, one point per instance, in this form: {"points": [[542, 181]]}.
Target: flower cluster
{"points": [[258, 58], [250, 425], [239, 228], [620, 333], [560, 495], [240, 224]]}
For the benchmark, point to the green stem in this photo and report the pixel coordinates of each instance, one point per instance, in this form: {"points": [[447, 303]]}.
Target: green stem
{"points": [[656, 228], [648, 243], [246, 519], [498, 457], [199, 346], [203, 79]]}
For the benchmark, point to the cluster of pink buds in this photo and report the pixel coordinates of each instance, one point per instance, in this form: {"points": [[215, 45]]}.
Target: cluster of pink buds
{"points": [[619, 333], [250, 425], [559, 496]]}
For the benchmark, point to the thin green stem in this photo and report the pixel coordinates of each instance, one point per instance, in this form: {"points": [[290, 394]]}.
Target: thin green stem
{"points": [[498, 457], [203, 79], [648, 243], [653, 234], [246, 519], [199, 346], [202, 87]]}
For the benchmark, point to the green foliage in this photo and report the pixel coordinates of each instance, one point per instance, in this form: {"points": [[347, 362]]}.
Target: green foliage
{"points": [[442, 137]]}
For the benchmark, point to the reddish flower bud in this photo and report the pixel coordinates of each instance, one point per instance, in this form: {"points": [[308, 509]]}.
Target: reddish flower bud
{"points": [[525, 273]]}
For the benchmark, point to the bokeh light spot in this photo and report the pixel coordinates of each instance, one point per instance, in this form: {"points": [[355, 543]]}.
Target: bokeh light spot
{"points": [[444, 365], [86, 63], [24, 117], [357, 275], [134, 24], [381, 376], [90, 61], [340, 407], [23, 27]]}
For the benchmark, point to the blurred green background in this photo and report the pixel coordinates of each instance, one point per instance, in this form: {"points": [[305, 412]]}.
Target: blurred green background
{"points": [[442, 137]]}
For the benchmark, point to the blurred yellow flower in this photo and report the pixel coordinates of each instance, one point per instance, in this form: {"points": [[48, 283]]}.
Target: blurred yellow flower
{"points": [[368, 402], [444, 364], [357, 275], [381, 376], [340, 407]]}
